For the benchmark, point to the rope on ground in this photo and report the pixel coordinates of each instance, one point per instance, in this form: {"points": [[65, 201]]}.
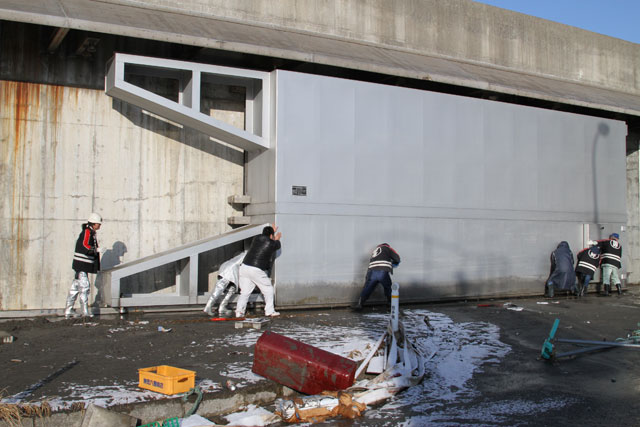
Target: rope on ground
{"points": [[196, 390]]}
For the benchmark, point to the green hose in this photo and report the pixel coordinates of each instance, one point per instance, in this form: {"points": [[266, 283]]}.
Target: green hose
{"points": [[195, 390]]}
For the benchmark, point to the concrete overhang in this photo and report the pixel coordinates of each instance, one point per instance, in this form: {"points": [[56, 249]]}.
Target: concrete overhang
{"points": [[137, 19], [187, 110]]}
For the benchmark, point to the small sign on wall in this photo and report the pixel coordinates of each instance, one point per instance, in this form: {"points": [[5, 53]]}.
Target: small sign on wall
{"points": [[299, 190]]}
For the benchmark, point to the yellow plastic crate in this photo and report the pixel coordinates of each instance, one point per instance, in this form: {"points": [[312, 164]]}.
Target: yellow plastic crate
{"points": [[167, 379]]}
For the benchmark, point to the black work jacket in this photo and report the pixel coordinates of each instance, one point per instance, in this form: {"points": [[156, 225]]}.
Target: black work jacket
{"points": [[261, 252]]}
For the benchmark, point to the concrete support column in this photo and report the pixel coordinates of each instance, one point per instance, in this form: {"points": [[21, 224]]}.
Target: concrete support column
{"points": [[632, 249]]}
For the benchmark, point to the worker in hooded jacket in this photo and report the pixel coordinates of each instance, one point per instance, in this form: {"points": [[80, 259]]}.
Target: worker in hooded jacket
{"points": [[562, 275], [86, 260]]}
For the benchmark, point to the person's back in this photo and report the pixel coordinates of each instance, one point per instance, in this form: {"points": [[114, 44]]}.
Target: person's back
{"points": [[260, 254], [562, 275], [253, 271], [563, 257]]}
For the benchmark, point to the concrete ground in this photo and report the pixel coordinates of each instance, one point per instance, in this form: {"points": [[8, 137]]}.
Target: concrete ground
{"points": [[485, 367]]}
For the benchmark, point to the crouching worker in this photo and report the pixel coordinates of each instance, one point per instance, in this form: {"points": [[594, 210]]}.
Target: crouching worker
{"points": [[587, 265], [383, 259], [227, 281], [86, 260], [611, 263], [562, 275]]}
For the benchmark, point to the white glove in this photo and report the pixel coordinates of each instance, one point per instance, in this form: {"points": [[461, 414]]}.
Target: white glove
{"points": [[593, 243], [101, 250]]}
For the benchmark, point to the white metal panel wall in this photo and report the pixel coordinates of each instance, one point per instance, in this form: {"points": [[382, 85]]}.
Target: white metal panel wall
{"points": [[474, 194]]}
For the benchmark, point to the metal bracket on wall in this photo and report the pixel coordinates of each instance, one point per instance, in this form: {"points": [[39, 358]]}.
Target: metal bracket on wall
{"points": [[186, 111]]}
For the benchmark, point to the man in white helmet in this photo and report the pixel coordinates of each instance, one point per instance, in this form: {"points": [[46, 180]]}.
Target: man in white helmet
{"points": [[86, 260]]}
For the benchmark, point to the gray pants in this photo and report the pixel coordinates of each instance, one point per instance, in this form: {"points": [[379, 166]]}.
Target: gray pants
{"points": [[81, 287], [222, 285]]}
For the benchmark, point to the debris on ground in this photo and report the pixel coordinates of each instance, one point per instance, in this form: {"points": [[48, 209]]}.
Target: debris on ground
{"points": [[252, 416], [252, 323], [96, 416], [17, 398], [6, 338], [300, 366], [512, 306], [403, 366], [549, 351]]}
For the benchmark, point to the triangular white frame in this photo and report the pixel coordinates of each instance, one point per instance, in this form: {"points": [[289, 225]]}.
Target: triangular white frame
{"points": [[186, 111]]}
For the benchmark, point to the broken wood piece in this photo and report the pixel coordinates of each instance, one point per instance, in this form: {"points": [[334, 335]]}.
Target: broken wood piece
{"points": [[252, 323]]}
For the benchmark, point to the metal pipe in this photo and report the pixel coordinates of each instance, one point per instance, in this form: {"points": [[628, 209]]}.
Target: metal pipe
{"points": [[604, 343], [583, 350], [395, 306]]}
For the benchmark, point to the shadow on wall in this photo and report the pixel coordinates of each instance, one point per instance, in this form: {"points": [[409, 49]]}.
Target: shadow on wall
{"points": [[603, 129], [110, 259], [184, 135], [460, 283]]}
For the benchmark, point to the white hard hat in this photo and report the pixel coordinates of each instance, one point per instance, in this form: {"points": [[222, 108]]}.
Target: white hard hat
{"points": [[94, 218]]}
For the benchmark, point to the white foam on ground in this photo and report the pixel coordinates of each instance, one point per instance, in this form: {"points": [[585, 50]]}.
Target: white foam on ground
{"points": [[461, 349]]}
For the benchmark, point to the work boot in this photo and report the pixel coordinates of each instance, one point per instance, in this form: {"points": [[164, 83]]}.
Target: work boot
{"points": [[70, 313], [86, 312], [207, 308], [584, 290]]}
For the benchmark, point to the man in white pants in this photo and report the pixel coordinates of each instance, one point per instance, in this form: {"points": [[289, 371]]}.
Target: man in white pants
{"points": [[253, 271]]}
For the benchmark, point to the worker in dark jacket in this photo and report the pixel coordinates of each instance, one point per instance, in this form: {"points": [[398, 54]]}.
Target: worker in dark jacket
{"points": [[86, 260], [562, 274], [611, 262], [253, 271], [383, 259], [586, 266]]}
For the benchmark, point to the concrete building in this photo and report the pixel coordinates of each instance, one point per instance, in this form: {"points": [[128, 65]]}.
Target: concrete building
{"points": [[69, 149]]}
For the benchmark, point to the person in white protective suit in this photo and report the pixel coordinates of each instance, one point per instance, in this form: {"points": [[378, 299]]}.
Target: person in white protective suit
{"points": [[86, 260], [227, 281]]}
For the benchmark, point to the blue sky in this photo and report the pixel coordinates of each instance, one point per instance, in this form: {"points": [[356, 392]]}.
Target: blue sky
{"points": [[615, 18]]}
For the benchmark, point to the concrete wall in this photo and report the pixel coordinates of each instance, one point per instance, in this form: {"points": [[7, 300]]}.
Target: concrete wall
{"points": [[474, 194], [632, 250], [67, 151], [460, 29]]}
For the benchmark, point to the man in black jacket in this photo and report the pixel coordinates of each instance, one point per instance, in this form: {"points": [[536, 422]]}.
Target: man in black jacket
{"points": [[381, 264], [611, 262], [587, 265], [86, 260], [253, 271]]}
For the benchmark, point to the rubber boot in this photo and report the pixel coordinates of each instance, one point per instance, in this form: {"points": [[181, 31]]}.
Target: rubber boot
{"points": [[86, 312], [607, 290], [223, 310], [619, 289], [207, 308], [550, 291], [358, 305]]}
